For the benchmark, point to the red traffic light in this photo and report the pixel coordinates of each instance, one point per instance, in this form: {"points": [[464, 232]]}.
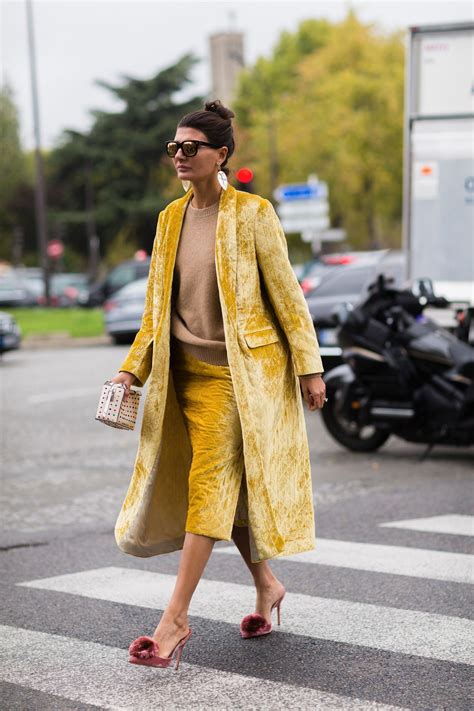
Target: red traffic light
{"points": [[55, 248], [244, 175]]}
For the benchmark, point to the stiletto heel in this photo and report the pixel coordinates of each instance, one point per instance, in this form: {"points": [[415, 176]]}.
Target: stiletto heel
{"points": [[178, 657], [256, 625], [144, 650], [278, 611]]}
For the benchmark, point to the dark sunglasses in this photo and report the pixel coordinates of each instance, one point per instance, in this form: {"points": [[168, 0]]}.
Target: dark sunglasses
{"points": [[189, 148]]}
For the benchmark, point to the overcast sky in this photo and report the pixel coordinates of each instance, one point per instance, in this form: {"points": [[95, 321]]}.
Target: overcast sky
{"points": [[78, 41]]}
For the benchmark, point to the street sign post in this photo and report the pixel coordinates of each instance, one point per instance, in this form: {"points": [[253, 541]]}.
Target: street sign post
{"points": [[301, 191], [304, 224], [304, 208], [334, 235]]}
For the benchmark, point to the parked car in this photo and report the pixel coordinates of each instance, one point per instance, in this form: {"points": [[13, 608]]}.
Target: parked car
{"points": [[312, 277], [15, 291], [70, 288], [124, 310], [299, 269], [120, 276], [35, 285], [347, 286], [316, 269], [10, 334], [65, 289]]}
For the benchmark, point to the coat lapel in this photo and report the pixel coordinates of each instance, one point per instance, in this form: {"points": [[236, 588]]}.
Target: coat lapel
{"points": [[226, 253], [167, 256], [225, 249]]}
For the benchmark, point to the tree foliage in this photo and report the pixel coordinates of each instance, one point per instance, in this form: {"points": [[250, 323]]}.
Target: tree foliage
{"points": [[119, 168], [330, 101], [13, 175]]}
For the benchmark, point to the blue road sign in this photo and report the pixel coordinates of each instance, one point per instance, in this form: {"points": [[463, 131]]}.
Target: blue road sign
{"points": [[300, 191]]}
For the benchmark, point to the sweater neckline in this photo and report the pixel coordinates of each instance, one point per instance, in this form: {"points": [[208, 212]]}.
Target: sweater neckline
{"points": [[204, 211]]}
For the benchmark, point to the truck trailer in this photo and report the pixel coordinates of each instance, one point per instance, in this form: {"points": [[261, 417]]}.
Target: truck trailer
{"points": [[438, 190]]}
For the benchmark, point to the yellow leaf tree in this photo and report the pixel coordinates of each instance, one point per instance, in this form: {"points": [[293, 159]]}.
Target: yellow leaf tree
{"points": [[336, 112]]}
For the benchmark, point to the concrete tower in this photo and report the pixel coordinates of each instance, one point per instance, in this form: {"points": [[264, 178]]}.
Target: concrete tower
{"points": [[227, 59]]}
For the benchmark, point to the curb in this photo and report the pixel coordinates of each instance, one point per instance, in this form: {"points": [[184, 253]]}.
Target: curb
{"points": [[59, 341]]}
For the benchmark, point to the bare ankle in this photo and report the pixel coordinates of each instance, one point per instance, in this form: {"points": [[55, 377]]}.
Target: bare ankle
{"points": [[266, 582], [178, 617]]}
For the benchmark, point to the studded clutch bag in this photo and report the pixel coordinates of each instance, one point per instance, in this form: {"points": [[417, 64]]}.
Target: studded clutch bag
{"points": [[113, 410]]}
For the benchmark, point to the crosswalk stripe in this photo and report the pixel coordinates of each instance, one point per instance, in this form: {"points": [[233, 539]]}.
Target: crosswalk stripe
{"points": [[395, 560], [456, 524], [396, 630], [92, 673]]}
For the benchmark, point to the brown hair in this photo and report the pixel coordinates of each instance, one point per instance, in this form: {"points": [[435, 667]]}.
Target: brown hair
{"points": [[215, 121]]}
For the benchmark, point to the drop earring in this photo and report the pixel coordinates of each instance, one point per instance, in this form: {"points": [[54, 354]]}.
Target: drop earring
{"points": [[222, 178], [185, 184]]}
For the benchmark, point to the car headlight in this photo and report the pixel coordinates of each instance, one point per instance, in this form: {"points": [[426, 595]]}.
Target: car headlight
{"points": [[8, 326]]}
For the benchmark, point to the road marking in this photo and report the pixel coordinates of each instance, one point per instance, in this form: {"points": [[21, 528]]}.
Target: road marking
{"points": [[63, 395], [395, 560], [402, 631], [96, 674], [456, 524]]}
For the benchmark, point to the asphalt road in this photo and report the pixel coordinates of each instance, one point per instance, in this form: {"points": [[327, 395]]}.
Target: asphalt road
{"points": [[377, 616]]}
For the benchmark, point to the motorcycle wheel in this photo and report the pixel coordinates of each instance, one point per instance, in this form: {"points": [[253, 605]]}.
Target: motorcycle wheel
{"points": [[348, 433]]}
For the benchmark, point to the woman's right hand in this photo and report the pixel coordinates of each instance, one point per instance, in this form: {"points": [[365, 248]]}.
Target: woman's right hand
{"points": [[126, 379]]}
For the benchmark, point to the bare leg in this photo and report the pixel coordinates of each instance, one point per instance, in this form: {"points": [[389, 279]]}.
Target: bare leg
{"points": [[267, 585], [173, 625]]}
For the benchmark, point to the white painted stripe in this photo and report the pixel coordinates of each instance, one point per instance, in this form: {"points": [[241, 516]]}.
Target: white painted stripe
{"points": [[96, 674], [62, 395], [403, 631], [395, 560], [456, 524]]}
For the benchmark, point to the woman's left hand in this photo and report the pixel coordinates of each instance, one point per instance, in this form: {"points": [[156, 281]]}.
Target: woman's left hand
{"points": [[313, 388]]}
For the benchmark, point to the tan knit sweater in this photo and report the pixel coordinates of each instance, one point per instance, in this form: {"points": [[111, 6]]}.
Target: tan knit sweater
{"points": [[196, 316]]}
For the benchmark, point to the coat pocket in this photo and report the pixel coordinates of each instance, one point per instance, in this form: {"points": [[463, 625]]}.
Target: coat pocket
{"points": [[261, 337]]}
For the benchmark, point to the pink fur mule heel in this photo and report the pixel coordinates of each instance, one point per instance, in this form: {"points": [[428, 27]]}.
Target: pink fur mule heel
{"points": [[256, 625], [144, 650]]}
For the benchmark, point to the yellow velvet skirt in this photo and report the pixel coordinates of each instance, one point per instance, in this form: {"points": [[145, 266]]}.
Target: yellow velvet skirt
{"points": [[217, 493]]}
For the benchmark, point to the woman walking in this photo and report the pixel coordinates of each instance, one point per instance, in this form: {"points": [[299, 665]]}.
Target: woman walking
{"points": [[229, 346]]}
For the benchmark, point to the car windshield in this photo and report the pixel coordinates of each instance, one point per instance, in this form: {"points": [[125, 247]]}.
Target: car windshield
{"points": [[135, 288], [349, 280], [121, 276], [35, 284], [69, 279], [11, 283], [319, 269]]}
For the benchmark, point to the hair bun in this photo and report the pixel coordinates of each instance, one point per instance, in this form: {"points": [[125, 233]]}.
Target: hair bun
{"points": [[218, 108]]}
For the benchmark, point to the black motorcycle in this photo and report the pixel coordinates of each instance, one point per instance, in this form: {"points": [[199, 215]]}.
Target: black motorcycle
{"points": [[402, 375]]}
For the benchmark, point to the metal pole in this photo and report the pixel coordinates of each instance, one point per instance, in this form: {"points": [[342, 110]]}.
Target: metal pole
{"points": [[91, 229], [40, 192], [273, 160]]}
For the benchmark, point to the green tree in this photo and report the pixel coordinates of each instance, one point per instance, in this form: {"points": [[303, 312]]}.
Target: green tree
{"points": [[259, 96], [272, 78], [339, 114], [13, 174], [121, 162]]}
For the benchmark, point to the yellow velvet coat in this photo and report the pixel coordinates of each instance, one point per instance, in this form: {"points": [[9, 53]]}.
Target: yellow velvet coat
{"points": [[270, 340]]}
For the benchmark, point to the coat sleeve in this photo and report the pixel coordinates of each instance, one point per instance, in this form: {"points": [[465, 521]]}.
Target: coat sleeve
{"points": [[285, 292], [139, 358]]}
